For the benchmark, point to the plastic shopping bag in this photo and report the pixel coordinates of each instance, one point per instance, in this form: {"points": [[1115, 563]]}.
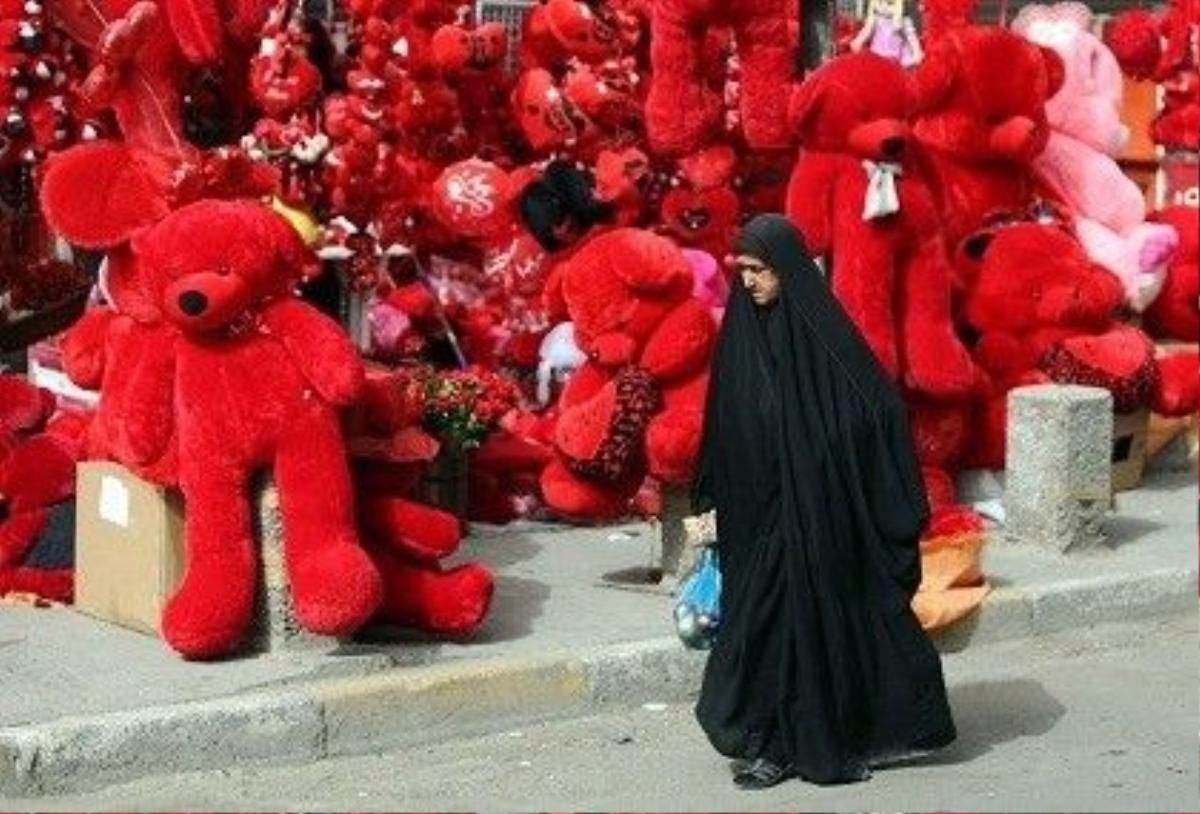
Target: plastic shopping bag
{"points": [[698, 608]]}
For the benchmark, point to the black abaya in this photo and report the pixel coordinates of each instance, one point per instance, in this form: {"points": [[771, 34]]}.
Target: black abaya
{"points": [[820, 664]]}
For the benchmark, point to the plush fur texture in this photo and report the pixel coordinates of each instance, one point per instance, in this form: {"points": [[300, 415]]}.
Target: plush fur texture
{"points": [[683, 111], [1175, 314], [1079, 163], [982, 95], [891, 273], [703, 210], [37, 484], [636, 407]]}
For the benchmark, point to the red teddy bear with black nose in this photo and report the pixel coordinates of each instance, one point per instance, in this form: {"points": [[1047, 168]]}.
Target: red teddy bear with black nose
{"points": [[244, 377]]}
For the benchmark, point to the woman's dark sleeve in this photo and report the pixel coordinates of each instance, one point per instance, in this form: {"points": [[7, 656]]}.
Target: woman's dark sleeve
{"points": [[895, 496]]}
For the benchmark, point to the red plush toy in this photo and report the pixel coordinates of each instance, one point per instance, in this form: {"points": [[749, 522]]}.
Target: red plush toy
{"points": [[859, 199], [408, 540], [636, 406], [982, 93], [702, 210], [226, 314], [1045, 312], [1175, 314], [37, 515], [683, 111], [1163, 47]]}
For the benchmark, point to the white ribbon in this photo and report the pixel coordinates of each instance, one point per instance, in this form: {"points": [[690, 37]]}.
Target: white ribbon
{"points": [[882, 197]]}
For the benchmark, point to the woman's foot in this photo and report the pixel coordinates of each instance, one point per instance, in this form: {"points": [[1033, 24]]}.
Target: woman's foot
{"points": [[761, 774]]}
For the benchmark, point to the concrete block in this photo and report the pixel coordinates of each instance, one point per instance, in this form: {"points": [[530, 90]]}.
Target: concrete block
{"points": [[674, 555], [1059, 482], [275, 629], [420, 705], [78, 754], [660, 670]]}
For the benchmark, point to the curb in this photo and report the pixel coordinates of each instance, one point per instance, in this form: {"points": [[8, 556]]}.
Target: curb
{"points": [[406, 706]]}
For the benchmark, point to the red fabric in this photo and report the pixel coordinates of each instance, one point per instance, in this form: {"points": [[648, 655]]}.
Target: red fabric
{"points": [[892, 274]]}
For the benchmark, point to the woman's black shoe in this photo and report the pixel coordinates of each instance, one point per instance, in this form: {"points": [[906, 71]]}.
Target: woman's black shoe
{"points": [[761, 774]]}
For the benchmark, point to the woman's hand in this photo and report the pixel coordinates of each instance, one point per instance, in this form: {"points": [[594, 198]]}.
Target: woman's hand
{"points": [[701, 530]]}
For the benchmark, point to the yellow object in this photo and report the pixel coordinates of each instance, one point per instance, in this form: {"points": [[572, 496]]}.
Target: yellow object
{"points": [[302, 222]]}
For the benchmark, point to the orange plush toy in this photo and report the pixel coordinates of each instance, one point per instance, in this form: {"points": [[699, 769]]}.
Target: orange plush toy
{"points": [[859, 199], [636, 406], [238, 376], [683, 111], [982, 94]]}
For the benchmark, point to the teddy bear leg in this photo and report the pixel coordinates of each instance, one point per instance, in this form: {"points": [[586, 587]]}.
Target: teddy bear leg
{"points": [[333, 583], [767, 70], [680, 110], [673, 444], [935, 361], [208, 614], [426, 597]]}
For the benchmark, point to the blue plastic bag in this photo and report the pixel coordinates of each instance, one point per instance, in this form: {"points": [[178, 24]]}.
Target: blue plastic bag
{"points": [[698, 608]]}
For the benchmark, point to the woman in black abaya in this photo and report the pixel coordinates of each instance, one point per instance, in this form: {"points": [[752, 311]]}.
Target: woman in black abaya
{"points": [[820, 669]]}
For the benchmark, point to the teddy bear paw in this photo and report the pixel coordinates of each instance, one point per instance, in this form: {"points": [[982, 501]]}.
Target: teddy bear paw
{"points": [[335, 590], [1158, 246], [210, 620]]}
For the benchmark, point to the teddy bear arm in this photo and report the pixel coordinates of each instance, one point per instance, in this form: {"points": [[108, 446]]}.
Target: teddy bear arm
{"points": [[84, 348], [810, 202], [320, 349], [148, 419]]}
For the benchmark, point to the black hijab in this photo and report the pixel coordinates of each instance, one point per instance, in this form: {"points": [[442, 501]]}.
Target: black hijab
{"points": [[808, 460]]}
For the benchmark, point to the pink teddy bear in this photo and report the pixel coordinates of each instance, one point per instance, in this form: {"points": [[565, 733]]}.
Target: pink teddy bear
{"points": [[709, 285], [1079, 163]]}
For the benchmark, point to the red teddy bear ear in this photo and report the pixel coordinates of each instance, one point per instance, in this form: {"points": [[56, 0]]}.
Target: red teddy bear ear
{"points": [[98, 195]]}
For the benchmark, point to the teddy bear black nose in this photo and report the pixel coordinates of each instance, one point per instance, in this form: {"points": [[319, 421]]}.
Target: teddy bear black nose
{"points": [[892, 147], [4, 511], [193, 303]]}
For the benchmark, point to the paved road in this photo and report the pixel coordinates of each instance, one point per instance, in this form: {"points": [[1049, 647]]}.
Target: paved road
{"points": [[1102, 720]]}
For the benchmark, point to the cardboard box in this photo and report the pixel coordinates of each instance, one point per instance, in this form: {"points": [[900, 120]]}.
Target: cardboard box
{"points": [[1129, 449], [128, 546]]}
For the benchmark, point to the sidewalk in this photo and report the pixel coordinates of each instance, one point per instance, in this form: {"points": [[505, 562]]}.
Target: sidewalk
{"points": [[88, 704]]}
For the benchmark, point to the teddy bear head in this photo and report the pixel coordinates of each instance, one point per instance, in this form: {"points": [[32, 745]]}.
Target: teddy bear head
{"points": [[857, 103], [1031, 275], [702, 210], [473, 198], [456, 49], [1088, 105], [212, 263], [982, 94], [588, 31], [622, 284]]}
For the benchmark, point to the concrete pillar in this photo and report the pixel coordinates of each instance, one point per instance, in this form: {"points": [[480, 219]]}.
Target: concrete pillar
{"points": [[274, 629], [1059, 481]]}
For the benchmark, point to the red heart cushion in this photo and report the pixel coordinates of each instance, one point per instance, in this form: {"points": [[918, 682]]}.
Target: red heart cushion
{"points": [[1121, 360]]}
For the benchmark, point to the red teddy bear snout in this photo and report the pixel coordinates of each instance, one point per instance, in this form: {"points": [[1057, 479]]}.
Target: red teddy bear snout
{"points": [[206, 301], [881, 139]]}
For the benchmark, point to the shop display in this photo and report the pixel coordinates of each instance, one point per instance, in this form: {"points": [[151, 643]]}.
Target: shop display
{"points": [[525, 232]]}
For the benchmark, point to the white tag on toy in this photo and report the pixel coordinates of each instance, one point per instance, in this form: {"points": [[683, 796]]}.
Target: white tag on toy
{"points": [[114, 501], [882, 197]]}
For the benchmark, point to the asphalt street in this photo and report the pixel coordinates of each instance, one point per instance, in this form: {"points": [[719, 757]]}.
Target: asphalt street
{"points": [[1097, 720]]}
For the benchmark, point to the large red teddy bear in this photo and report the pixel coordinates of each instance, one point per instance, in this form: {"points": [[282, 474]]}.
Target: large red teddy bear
{"points": [[859, 199], [683, 110], [636, 406], [254, 378], [1045, 312], [982, 94]]}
